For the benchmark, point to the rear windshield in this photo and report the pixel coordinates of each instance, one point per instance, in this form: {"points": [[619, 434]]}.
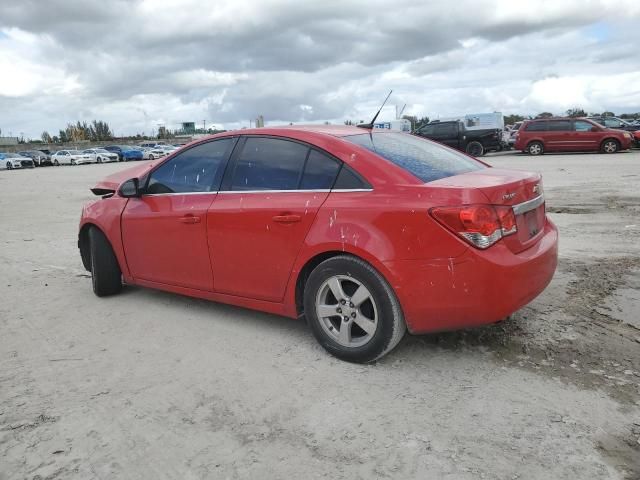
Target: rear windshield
{"points": [[426, 160]]}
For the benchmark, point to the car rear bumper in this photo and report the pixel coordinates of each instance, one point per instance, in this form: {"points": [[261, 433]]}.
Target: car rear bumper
{"points": [[477, 288]]}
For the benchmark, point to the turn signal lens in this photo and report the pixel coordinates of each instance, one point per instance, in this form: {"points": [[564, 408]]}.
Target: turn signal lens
{"points": [[480, 225]]}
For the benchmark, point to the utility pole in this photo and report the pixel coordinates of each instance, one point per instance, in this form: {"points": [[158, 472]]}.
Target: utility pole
{"points": [[204, 129]]}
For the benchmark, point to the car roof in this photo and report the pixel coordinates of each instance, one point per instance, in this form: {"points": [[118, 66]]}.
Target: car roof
{"points": [[333, 130]]}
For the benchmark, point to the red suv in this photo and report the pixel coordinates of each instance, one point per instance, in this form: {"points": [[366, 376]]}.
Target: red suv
{"points": [[569, 135]]}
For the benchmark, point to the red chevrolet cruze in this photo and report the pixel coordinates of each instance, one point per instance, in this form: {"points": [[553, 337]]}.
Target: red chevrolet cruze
{"points": [[365, 233]]}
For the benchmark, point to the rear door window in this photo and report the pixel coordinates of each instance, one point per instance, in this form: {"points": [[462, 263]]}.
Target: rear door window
{"points": [[319, 171], [559, 125], [426, 160], [536, 127], [269, 164], [447, 130]]}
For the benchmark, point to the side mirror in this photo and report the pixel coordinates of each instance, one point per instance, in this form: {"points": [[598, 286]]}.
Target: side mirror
{"points": [[130, 188], [595, 129]]}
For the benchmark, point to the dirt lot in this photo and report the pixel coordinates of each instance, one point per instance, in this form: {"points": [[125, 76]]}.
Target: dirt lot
{"points": [[149, 385]]}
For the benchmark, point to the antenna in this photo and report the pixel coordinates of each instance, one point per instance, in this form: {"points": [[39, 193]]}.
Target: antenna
{"points": [[370, 124]]}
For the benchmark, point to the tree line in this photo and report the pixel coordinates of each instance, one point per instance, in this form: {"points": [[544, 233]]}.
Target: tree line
{"points": [[96, 131]]}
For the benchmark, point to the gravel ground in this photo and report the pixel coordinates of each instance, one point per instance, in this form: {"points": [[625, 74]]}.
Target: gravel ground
{"points": [[154, 385]]}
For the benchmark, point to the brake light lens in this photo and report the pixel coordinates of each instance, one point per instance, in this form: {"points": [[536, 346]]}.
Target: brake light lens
{"points": [[480, 225]]}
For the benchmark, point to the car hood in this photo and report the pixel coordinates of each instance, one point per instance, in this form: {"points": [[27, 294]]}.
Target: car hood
{"points": [[111, 183]]}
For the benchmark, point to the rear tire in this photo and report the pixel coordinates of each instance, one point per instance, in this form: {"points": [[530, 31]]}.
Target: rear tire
{"points": [[375, 307], [106, 276], [56, 163], [610, 146], [475, 149], [535, 148]]}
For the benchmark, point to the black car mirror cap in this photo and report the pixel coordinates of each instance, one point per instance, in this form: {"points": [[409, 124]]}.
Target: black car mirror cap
{"points": [[130, 188]]}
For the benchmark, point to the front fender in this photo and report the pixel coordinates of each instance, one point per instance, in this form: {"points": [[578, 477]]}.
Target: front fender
{"points": [[105, 214]]}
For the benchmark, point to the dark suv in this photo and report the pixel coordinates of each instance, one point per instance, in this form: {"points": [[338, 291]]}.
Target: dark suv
{"points": [[615, 122], [454, 134], [569, 135]]}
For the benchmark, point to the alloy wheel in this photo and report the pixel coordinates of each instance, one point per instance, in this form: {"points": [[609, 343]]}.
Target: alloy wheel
{"points": [[347, 311], [610, 147]]}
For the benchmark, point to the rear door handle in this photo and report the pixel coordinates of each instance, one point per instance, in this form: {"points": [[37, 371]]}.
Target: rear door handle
{"points": [[190, 219], [287, 218]]}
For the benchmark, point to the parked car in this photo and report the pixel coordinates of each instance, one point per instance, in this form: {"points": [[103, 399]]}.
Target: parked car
{"points": [[615, 122], [125, 152], [71, 157], [100, 155], [10, 161], [367, 233], [512, 134], [636, 138], [152, 153], [455, 134], [569, 135], [40, 159]]}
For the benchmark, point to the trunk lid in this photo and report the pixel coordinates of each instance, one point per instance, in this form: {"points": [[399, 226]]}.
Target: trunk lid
{"points": [[518, 189]]}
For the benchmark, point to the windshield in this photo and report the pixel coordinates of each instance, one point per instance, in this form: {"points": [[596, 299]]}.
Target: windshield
{"points": [[426, 160]]}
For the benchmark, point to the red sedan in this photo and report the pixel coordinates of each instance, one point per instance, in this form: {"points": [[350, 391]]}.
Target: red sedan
{"points": [[365, 233]]}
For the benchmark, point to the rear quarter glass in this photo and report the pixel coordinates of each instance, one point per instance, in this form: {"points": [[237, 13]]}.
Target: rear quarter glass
{"points": [[424, 159]]}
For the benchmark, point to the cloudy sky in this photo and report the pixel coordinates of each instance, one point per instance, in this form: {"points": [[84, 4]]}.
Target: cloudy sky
{"points": [[140, 63]]}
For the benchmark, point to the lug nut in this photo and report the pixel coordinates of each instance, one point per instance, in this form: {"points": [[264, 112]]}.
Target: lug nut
{"points": [[351, 305], [339, 310], [342, 302], [345, 318], [353, 315]]}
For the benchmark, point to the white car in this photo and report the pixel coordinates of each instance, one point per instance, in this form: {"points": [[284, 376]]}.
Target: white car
{"points": [[10, 161], [100, 155], [151, 153], [71, 157]]}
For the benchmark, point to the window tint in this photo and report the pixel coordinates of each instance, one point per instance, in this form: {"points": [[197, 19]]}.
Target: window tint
{"points": [[198, 169], [349, 180], [269, 164], [426, 130], [426, 160], [319, 172], [559, 125], [447, 130], [581, 126], [536, 127]]}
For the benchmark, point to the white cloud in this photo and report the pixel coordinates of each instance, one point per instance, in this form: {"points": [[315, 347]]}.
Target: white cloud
{"points": [[140, 63]]}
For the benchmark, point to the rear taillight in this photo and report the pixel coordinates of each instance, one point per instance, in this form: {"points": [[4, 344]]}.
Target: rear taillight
{"points": [[480, 225]]}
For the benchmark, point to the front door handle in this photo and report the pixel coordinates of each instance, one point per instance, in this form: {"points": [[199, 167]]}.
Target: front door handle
{"points": [[190, 219], [287, 218]]}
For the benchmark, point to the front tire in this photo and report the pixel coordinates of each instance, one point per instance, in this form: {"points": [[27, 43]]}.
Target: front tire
{"points": [[610, 146], [151, 157], [73, 162], [475, 149], [56, 163], [9, 166], [99, 160], [106, 276], [352, 311], [535, 148]]}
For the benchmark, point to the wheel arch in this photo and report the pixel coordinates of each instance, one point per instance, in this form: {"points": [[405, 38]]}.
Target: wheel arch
{"points": [[606, 139], [302, 274]]}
